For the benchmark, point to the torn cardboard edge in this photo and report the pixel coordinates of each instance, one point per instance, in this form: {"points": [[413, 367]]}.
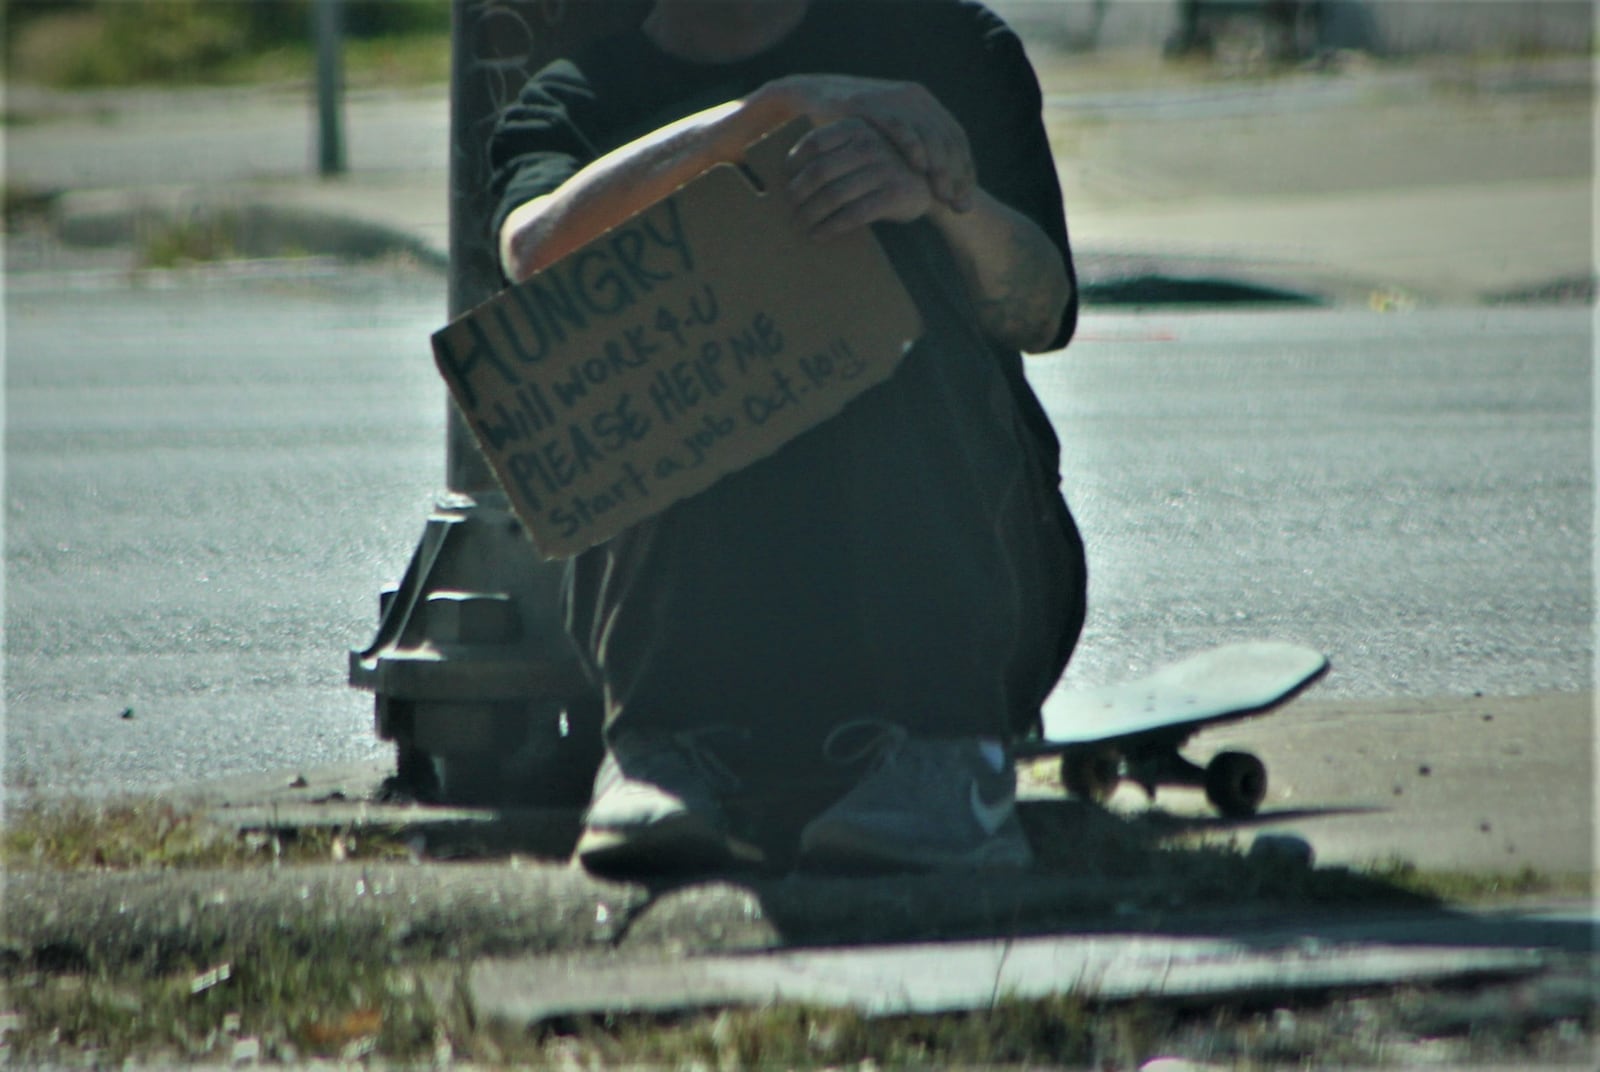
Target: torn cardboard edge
{"points": [[689, 341]]}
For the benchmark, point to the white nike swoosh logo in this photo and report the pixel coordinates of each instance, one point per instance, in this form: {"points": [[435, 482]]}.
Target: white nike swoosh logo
{"points": [[990, 816]]}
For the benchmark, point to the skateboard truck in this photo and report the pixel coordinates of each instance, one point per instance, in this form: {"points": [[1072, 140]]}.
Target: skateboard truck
{"points": [[1234, 782], [1134, 731]]}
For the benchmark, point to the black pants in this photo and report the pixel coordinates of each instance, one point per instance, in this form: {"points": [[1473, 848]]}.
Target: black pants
{"points": [[908, 560]]}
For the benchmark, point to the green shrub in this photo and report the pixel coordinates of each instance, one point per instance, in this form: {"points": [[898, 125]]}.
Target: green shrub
{"points": [[86, 43], [127, 42]]}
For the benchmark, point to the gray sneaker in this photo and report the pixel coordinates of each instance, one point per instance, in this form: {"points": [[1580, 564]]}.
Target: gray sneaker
{"points": [[931, 805], [656, 808]]}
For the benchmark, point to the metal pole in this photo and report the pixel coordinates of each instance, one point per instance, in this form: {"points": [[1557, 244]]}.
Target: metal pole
{"points": [[472, 675], [327, 27], [474, 274]]}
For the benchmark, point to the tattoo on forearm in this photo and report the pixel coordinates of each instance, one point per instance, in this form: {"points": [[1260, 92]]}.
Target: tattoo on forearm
{"points": [[1021, 304]]}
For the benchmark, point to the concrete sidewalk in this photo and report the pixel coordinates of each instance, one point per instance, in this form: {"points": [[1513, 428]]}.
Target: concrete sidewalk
{"points": [[1433, 185]]}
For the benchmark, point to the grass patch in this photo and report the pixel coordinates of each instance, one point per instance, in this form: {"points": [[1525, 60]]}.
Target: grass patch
{"points": [[198, 238], [292, 1004], [281, 1004], [284, 1000], [284, 1005], [285, 991], [152, 834], [1475, 887], [1062, 1028]]}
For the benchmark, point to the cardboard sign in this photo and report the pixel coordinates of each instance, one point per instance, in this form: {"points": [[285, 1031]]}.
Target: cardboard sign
{"points": [[690, 340]]}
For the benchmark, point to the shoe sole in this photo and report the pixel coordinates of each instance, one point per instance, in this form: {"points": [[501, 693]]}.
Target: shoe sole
{"points": [[663, 848]]}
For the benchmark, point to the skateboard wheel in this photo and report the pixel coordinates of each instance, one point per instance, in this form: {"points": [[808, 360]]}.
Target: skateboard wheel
{"points": [[1236, 783], [1091, 773]]}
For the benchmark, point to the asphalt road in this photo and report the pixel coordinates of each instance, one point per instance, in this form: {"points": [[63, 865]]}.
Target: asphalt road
{"points": [[1411, 493], [209, 480], [207, 486]]}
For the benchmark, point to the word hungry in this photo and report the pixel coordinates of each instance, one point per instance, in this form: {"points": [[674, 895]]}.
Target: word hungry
{"points": [[688, 342]]}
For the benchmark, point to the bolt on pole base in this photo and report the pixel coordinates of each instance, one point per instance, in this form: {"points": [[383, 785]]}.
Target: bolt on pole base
{"points": [[473, 678]]}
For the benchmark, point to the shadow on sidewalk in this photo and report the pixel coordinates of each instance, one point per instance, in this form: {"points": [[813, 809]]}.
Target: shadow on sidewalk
{"points": [[1096, 872]]}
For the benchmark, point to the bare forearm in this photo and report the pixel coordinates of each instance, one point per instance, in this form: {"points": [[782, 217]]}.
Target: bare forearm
{"points": [[1014, 273], [542, 231]]}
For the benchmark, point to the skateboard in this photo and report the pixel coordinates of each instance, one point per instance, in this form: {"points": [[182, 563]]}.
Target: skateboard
{"points": [[1135, 730]]}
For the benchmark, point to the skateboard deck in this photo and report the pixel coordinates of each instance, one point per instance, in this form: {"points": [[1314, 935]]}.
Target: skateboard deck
{"points": [[1134, 730]]}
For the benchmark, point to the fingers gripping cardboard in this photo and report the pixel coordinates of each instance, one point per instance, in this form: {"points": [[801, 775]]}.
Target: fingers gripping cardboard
{"points": [[689, 341]]}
